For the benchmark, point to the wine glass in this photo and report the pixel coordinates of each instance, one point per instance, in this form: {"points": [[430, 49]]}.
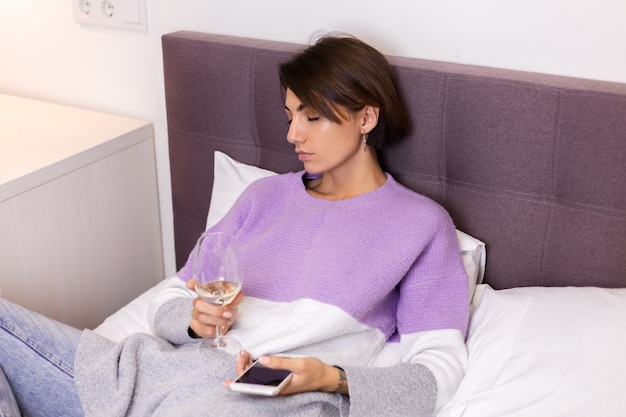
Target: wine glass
{"points": [[217, 271]]}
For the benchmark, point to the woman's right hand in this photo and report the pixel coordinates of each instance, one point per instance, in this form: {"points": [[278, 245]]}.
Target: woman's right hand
{"points": [[309, 374], [205, 316]]}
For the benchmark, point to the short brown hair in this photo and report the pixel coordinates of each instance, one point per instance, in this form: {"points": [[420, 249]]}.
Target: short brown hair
{"points": [[341, 70]]}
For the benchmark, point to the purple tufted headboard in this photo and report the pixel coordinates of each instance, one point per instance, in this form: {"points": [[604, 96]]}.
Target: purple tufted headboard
{"points": [[533, 165]]}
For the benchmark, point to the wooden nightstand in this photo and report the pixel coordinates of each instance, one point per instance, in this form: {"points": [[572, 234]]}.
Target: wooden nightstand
{"points": [[80, 231]]}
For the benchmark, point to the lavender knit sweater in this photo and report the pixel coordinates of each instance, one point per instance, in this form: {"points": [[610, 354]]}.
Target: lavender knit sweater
{"points": [[368, 283]]}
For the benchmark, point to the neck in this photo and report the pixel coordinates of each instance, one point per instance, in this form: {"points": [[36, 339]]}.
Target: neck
{"points": [[363, 178]]}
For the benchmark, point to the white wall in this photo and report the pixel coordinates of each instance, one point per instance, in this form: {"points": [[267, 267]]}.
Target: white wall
{"points": [[45, 54]]}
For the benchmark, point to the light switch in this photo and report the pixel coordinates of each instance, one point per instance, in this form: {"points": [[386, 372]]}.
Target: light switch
{"points": [[129, 12]]}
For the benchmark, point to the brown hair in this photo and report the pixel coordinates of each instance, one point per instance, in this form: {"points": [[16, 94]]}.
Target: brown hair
{"points": [[340, 70]]}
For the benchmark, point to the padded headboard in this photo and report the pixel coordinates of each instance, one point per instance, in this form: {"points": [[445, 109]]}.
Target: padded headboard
{"points": [[533, 165]]}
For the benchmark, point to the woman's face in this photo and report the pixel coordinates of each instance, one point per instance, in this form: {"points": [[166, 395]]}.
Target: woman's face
{"points": [[322, 145]]}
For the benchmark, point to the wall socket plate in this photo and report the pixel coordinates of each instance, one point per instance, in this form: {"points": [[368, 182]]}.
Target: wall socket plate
{"points": [[119, 14]]}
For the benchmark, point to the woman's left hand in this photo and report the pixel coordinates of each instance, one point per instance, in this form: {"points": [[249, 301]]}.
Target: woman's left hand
{"points": [[309, 374], [205, 316]]}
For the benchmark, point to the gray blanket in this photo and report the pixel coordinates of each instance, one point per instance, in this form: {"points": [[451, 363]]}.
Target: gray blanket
{"points": [[147, 376]]}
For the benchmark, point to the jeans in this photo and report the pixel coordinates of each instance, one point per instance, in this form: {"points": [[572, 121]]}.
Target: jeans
{"points": [[37, 357]]}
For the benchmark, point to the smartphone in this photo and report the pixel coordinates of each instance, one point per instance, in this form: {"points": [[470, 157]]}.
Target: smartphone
{"points": [[261, 380]]}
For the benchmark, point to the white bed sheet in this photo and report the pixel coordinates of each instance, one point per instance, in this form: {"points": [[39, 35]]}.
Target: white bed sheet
{"points": [[132, 318]]}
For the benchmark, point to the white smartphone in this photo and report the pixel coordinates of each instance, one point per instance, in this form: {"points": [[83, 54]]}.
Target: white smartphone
{"points": [[261, 380]]}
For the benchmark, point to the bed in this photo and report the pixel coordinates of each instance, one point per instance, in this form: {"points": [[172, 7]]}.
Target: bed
{"points": [[531, 167]]}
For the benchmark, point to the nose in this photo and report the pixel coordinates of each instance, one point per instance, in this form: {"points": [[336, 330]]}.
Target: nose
{"points": [[294, 134]]}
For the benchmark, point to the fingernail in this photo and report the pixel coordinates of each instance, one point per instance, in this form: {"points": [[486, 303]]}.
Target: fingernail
{"points": [[227, 315]]}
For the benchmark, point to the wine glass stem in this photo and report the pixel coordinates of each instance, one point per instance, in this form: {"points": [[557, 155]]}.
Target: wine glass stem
{"points": [[218, 342]]}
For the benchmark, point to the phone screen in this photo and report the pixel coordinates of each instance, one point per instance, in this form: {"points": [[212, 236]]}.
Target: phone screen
{"points": [[260, 375]]}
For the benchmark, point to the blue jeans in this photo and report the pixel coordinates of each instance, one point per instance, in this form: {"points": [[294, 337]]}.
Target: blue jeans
{"points": [[37, 357]]}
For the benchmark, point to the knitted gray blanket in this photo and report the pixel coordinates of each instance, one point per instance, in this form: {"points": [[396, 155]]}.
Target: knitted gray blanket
{"points": [[147, 376]]}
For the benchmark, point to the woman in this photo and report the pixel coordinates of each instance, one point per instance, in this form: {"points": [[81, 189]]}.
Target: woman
{"points": [[357, 276]]}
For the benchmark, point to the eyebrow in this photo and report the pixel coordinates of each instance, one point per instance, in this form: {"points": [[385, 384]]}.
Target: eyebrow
{"points": [[298, 109]]}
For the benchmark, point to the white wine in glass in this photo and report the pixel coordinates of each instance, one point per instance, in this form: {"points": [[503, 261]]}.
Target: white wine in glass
{"points": [[218, 292], [217, 271]]}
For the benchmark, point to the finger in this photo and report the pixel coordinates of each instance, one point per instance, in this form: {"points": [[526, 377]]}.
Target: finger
{"points": [[279, 362], [238, 299], [204, 323], [204, 307], [231, 311], [191, 284], [207, 330], [206, 319], [215, 315], [202, 330], [244, 360]]}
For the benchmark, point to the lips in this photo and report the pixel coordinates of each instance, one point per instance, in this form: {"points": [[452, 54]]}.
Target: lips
{"points": [[304, 156]]}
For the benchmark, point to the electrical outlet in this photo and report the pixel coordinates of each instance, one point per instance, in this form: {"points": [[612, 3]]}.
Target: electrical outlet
{"points": [[120, 14]]}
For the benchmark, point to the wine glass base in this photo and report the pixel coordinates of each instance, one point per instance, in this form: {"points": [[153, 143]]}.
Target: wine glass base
{"points": [[218, 343], [225, 344]]}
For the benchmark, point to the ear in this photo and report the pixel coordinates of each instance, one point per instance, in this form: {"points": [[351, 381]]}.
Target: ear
{"points": [[370, 118]]}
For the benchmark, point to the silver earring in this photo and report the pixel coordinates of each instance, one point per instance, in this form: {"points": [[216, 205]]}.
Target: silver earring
{"points": [[364, 142]]}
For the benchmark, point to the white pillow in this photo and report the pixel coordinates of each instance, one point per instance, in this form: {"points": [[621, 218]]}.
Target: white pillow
{"points": [[553, 351], [474, 258], [231, 177]]}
